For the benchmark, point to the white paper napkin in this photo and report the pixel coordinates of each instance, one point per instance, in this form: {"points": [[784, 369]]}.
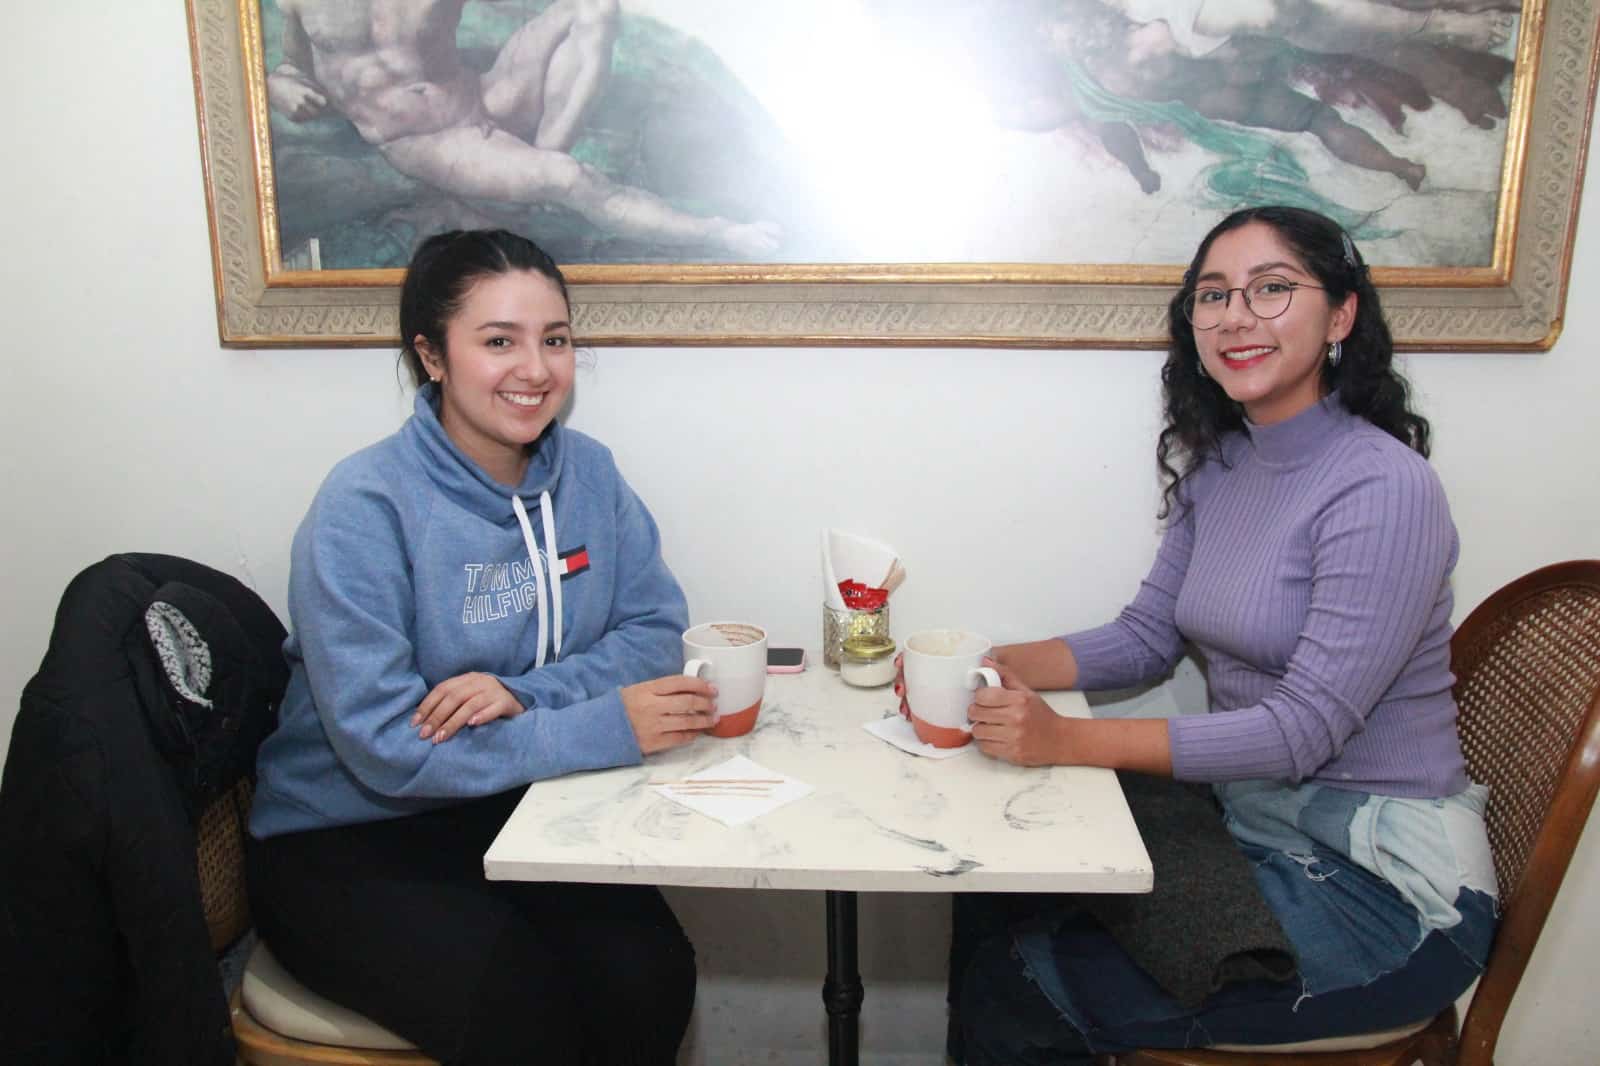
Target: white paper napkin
{"points": [[849, 556], [897, 731], [830, 583], [735, 808]]}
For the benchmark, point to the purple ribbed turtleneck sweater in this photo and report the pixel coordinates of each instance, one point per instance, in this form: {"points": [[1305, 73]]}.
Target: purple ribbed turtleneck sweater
{"points": [[1311, 570]]}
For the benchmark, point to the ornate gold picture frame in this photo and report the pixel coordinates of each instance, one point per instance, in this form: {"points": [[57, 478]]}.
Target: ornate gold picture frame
{"points": [[1102, 110]]}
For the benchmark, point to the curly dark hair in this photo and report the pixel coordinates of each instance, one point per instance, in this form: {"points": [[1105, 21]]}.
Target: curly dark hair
{"points": [[1199, 413]]}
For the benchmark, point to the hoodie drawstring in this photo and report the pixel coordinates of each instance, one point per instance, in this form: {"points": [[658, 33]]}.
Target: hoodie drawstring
{"points": [[549, 592], [552, 557]]}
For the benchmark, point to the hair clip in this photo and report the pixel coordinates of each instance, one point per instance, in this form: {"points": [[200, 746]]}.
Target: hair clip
{"points": [[1349, 249]]}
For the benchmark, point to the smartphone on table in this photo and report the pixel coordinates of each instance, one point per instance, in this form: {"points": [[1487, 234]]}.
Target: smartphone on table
{"points": [[785, 660]]}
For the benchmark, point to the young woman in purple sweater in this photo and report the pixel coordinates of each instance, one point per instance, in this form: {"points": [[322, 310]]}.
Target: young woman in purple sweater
{"points": [[1307, 557]]}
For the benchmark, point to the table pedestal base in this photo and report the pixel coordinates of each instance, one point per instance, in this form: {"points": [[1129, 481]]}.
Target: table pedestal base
{"points": [[842, 992]]}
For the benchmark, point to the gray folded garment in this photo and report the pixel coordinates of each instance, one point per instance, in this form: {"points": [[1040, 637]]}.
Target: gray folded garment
{"points": [[1205, 923]]}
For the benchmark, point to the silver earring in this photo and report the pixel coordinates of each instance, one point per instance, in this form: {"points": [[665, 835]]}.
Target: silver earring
{"points": [[1200, 366], [1335, 353]]}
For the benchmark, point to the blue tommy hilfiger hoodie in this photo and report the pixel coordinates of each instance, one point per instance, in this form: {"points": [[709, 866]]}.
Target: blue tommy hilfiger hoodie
{"points": [[413, 566]]}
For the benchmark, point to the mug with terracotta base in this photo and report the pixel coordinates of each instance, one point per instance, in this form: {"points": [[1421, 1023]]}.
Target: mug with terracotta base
{"points": [[732, 656], [943, 668]]}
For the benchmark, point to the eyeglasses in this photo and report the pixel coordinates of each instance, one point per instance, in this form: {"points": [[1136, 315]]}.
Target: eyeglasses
{"points": [[1266, 297]]}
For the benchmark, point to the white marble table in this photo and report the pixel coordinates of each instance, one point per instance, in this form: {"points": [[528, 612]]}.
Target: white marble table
{"points": [[880, 820]]}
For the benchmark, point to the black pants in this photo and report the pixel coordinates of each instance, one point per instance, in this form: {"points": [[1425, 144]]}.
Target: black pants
{"points": [[395, 920]]}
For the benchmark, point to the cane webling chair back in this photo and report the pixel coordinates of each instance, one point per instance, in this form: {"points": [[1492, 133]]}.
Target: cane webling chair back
{"points": [[276, 1020], [295, 1027], [1527, 665]]}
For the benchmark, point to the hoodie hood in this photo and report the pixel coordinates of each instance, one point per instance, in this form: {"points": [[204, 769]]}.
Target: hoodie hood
{"points": [[466, 484], [462, 480]]}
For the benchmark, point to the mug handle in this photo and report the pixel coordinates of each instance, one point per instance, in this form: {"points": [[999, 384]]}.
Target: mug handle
{"points": [[696, 667], [980, 677]]}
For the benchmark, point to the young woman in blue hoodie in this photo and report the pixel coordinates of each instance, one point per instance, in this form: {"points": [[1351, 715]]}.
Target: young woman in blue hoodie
{"points": [[476, 602]]}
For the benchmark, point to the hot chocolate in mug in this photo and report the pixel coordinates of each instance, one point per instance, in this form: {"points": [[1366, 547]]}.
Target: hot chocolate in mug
{"points": [[943, 668], [732, 656]]}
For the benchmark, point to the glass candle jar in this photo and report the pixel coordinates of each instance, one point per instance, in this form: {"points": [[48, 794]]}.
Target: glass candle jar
{"points": [[866, 661], [841, 623]]}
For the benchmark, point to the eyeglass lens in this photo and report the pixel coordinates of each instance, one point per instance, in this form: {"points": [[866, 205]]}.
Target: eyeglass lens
{"points": [[1266, 297]]}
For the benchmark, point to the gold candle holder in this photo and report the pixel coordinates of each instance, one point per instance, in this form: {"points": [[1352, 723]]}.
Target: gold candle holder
{"points": [[839, 624]]}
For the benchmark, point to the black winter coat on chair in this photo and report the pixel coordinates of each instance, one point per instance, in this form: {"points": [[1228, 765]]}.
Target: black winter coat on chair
{"points": [[161, 679]]}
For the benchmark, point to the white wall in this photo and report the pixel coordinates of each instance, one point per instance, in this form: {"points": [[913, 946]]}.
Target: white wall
{"points": [[129, 428]]}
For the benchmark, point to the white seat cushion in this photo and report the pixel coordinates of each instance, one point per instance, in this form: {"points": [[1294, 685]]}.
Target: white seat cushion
{"points": [[289, 1008], [1358, 1042]]}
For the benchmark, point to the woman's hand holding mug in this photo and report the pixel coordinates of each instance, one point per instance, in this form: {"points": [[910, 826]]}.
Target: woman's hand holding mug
{"points": [[669, 711], [1013, 723]]}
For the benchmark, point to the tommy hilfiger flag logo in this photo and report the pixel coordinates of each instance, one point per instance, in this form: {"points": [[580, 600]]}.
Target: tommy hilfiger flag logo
{"points": [[574, 561]]}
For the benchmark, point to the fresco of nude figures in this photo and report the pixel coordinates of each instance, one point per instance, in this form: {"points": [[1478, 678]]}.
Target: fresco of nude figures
{"points": [[883, 131]]}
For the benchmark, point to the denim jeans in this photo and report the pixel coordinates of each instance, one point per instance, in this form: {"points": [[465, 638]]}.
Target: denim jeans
{"points": [[1390, 904], [1358, 880], [1005, 1018]]}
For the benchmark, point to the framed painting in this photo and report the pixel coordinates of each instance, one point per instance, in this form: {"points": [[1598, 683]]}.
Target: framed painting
{"points": [[1026, 173]]}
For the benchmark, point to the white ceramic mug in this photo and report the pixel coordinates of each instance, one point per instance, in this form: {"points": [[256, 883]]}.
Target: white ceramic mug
{"points": [[943, 668], [732, 656]]}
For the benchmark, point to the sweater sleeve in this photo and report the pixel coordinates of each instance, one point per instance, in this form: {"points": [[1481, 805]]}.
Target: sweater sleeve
{"points": [[353, 607], [1143, 642], [643, 632], [1381, 552]]}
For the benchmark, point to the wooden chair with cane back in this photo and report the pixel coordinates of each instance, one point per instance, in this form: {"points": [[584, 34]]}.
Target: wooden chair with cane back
{"points": [[1527, 665], [276, 1020]]}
